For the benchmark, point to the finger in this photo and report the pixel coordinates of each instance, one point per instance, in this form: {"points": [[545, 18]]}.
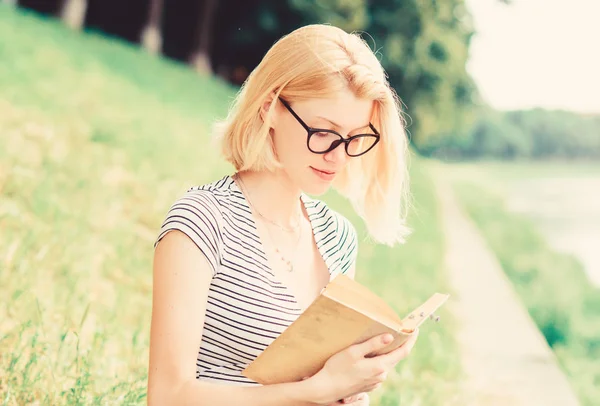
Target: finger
{"points": [[373, 387], [410, 343], [362, 400], [349, 399], [354, 398], [360, 397], [402, 351], [371, 345]]}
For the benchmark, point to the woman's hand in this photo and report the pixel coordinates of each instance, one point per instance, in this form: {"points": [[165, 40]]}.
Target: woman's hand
{"points": [[362, 399], [349, 372]]}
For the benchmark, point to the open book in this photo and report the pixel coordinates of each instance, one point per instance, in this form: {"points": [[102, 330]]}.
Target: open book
{"points": [[345, 313]]}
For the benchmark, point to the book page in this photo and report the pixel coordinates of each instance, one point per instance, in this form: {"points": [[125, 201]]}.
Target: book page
{"points": [[356, 296]]}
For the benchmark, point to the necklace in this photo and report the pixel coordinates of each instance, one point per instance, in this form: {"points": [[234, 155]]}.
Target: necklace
{"points": [[288, 263], [281, 227]]}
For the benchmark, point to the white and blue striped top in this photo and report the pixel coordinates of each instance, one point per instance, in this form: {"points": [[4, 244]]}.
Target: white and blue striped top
{"points": [[247, 306]]}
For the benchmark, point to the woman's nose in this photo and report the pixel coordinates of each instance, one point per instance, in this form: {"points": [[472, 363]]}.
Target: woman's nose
{"points": [[337, 155]]}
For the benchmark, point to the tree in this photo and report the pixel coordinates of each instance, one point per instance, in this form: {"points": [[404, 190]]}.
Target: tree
{"points": [[46, 7], [151, 35], [349, 15], [72, 12], [424, 49], [124, 20], [200, 57]]}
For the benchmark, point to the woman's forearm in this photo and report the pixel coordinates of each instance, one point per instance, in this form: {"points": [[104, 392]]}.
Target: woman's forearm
{"points": [[195, 392]]}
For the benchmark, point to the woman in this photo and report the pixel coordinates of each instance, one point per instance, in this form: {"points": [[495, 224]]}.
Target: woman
{"points": [[238, 259]]}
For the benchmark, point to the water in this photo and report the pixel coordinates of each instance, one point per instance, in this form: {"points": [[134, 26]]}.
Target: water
{"points": [[567, 211]]}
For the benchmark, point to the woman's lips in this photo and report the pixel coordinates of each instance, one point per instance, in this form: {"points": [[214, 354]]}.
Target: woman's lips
{"points": [[325, 175]]}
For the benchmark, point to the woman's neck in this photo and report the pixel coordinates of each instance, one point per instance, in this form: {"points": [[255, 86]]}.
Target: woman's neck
{"points": [[272, 195]]}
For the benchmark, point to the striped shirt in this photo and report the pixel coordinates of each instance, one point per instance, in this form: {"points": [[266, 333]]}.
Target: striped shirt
{"points": [[247, 307]]}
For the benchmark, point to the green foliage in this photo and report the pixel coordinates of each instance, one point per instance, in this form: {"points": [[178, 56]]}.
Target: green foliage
{"points": [[559, 133], [553, 287], [349, 15], [529, 134], [424, 49]]}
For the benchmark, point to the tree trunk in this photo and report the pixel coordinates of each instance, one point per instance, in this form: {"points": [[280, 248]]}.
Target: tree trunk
{"points": [[200, 57], [151, 35], [72, 12]]}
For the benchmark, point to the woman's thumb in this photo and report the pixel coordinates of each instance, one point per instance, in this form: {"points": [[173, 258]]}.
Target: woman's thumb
{"points": [[374, 344]]}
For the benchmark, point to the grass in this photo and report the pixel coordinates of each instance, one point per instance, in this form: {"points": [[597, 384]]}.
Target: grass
{"points": [[98, 139], [553, 287]]}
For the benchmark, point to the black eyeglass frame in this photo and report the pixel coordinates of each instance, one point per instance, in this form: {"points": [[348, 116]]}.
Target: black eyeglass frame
{"points": [[334, 144]]}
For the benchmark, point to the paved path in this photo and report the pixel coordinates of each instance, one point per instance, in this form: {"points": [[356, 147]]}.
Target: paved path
{"points": [[505, 357]]}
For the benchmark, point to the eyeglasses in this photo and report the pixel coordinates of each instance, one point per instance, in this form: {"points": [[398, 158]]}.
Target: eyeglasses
{"points": [[322, 141]]}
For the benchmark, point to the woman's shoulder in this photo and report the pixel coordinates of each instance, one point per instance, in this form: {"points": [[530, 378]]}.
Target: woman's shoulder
{"points": [[219, 189], [335, 235], [205, 202], [332, 223], [212, 196], [198, 213]]}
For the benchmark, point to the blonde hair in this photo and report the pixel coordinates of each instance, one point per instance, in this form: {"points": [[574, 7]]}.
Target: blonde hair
{"points": [[317, 61]]}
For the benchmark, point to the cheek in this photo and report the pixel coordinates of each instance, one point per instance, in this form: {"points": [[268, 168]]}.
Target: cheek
{"points": [[290, 145]]}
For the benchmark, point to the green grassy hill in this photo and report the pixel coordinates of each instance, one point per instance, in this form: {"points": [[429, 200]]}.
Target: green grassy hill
{"points": [[98, 139]]}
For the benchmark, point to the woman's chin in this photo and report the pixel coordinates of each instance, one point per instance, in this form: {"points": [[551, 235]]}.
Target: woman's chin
{"points": [[314, 185], [316, 188]]}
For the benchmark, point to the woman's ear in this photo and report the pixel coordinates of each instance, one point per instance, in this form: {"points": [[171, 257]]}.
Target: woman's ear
{"points": [[266, 106]]}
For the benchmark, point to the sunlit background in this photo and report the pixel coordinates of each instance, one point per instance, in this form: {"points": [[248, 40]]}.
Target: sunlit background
{"points": [[106, 108]]}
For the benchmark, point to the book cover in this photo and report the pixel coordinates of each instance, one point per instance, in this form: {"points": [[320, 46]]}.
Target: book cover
{"points": [[344, 313]]}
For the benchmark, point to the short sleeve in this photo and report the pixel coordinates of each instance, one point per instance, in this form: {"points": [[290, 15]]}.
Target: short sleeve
{"points": [[348, 244], [197, 215]]}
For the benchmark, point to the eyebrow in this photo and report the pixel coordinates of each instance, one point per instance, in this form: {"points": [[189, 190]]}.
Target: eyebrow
{"points": [[339, 126]]}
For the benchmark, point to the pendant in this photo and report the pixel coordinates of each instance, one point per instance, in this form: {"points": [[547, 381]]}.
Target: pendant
{"points": [[290, 266], [287, 262]]}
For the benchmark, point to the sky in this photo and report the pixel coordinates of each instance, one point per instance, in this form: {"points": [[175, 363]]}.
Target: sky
{"points": [[537, 53]]}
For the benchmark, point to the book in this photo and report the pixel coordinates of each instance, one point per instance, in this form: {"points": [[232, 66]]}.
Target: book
{"points": [[344, 313]]}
